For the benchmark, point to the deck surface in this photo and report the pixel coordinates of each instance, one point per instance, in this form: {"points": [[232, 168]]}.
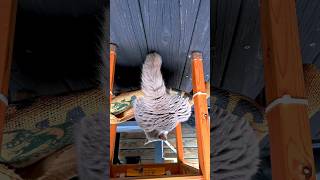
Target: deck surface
{"points": [[132, 144]]}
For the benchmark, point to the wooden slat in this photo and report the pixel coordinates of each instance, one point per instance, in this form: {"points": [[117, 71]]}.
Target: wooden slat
{"points": [[127, 31], [244, 71], [289, 129], [113, 127], [191, 162], [168, 29], [309, 27], [139, 143], [7, 27], [148, 153], [188, 132], [201, 114], [227, 12], [200, 42], [172, 167]]}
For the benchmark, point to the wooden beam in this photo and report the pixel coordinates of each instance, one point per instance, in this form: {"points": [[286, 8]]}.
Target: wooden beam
{"points": [[167, 178], [201, 114], [290, 139], [8, 10], [113, 127]]}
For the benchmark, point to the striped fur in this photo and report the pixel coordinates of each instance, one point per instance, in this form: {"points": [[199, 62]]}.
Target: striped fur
{"points": [[92, 145], [157, 112], [234, 147]]}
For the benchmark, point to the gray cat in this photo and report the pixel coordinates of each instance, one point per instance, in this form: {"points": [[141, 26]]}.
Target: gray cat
{"points": [[234, 147], [92, 145]]}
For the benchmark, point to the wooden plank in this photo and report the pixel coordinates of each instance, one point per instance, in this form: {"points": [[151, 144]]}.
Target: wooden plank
{"points": [[200, 42], [8, 10], [309, 30], [289, 129], [201, 114], [168, 28], [244, 71], [126, 30], [188, 132], [226, 20], [148, 153], [194, 162], [139, 143]]}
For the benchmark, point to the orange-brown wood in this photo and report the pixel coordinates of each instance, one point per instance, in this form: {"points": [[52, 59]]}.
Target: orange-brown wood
{"points": [[7, 27], [113, 131], [289, 131], [201, 114], [179, 143], [181, 177], [113, 127], [118, 169], [174, 169], [113, 57]]}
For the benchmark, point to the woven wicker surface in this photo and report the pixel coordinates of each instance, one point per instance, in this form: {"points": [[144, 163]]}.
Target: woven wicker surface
{"points": [[8, 174], [38, 130], [312, 84], [59, 165]]}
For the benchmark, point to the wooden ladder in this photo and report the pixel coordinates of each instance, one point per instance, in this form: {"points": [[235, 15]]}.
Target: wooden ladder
{"points": [[179, 170]]}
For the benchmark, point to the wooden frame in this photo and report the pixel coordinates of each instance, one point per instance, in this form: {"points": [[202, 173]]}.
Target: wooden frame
{"points": [[289, 131], [113, 127], [8, 10], [201, 114], [178, 170]]}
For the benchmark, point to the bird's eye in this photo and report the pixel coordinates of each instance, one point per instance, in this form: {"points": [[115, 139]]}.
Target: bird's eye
{"points": [[163, 137]]}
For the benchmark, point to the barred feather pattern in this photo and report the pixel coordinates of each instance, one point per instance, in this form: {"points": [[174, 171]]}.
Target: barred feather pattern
{"points": [[235, 148], [92, 146], [157, 112]]}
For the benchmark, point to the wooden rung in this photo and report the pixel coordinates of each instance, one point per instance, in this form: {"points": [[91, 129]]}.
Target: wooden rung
{"points": [[201, 114], [7, 26]]}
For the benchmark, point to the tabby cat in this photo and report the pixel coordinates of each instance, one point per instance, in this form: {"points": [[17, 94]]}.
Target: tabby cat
{"points": [[234, 147], [158, 112], [92, 145]]}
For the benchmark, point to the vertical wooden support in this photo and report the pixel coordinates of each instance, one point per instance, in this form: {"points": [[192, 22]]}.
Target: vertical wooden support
{"points": [[7, 27], [290, 139], [113, 127], [201, 114], [179, 143]]}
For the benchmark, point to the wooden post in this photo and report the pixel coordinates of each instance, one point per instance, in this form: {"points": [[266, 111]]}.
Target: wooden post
{"points": [[179, 143], [290, 139], [7, 28], [113, 127], [201, 114]]}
